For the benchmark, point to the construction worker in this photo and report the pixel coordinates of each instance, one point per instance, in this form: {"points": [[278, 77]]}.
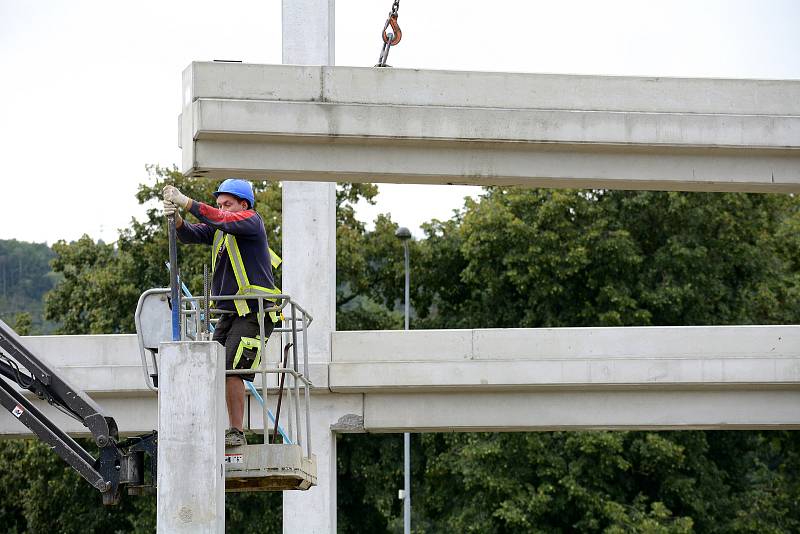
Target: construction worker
{"points": [[241, 266]]}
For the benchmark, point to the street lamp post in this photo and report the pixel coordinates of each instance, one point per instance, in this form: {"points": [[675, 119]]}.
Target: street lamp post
{"points": [[405, 235]]}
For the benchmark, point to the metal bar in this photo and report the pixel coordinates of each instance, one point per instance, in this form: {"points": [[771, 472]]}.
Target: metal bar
{"points": [[306, 388], [272, 418], [407, 304], [406, 435], [207, 303], [262, 347], [407, 482], [12, 345], [290, 414], [63, 445], [137, 319], [288, 371], [280, 390], [173, 280], [295, 383], [58, 390], [294, 337], [297, 411], [198, 320]]}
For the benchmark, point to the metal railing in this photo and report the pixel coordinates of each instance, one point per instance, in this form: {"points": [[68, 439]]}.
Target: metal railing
{"points": [[292, 328]]}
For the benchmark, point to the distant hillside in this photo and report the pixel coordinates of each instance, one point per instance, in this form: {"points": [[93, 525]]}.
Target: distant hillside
{"points": [[25, 277]]}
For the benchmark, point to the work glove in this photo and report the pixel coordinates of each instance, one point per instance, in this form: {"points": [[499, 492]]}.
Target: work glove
{"points": [[170, 193], [171, 209]]}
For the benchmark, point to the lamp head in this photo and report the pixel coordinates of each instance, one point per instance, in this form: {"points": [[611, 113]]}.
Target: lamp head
{"points": [[403, 233]]}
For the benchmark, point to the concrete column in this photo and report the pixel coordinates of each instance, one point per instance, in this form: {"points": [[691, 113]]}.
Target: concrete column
{"points": [[308, 32], [309, 208], [309, 252], [191, 419], [309, 269], [314, 510]]}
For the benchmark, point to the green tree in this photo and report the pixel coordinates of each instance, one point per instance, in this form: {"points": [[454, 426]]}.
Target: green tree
{"points": [[535, 258], [509, 259], [538, 258], [25, 277], [23, 323]]}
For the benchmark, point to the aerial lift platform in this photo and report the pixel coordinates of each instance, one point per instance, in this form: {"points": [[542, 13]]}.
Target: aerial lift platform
{"points": [[284, 461]]}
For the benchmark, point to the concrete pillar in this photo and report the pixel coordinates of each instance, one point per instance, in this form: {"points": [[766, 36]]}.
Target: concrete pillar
{"points": [[191, 419], [309, 269], [308, 32], [314, 510], [309, 252]]}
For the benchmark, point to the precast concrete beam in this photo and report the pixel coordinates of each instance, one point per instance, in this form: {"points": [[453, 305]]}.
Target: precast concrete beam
{"points": [[750, 373], [734, 357], [583, 409], [440, 127]]}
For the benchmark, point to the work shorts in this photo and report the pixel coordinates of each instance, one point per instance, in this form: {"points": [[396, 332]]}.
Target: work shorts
{"points": [[240, 337]]}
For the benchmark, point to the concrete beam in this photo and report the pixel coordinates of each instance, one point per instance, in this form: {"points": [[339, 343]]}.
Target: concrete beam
{"points": [[394, 125], [748, 375], [737, 357], [583, 409]]}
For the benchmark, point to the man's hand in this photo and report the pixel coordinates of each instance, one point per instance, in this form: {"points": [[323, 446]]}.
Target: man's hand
{"points": [[171, 210], [171, 194]]}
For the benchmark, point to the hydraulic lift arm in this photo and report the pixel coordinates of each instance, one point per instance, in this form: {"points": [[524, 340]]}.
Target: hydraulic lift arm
{"points": [[119, 464]]}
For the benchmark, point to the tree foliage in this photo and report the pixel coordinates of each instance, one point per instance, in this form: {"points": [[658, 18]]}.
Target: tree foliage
{"points": [[536, 257], [512, 258], [25, 276], [540, 258]]}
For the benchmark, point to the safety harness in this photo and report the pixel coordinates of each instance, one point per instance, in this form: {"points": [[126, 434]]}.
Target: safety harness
{"points": [[242, 281]]}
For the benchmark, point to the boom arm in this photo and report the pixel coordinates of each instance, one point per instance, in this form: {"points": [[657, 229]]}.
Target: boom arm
{"points": [[118, 464]]}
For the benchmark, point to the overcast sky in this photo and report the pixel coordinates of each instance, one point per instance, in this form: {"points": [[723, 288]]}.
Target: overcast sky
{"points": [[90, 90]]}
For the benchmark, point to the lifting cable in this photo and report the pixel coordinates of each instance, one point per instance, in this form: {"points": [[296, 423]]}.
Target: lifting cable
{"points": [[390, 38]]}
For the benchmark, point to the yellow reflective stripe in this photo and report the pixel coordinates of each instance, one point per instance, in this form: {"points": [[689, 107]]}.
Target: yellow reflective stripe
{"points": [[215, 248], [274, 259], [248, 343], [261, 290], [236, 262], [242, 308], [255, 290], [242, 281]]}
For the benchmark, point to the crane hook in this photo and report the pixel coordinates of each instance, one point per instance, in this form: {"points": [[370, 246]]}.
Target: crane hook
{"points": [[397, 34]]}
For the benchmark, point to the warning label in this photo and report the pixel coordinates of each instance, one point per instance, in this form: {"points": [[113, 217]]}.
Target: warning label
{"points": [[234, 458], [17, 411]]}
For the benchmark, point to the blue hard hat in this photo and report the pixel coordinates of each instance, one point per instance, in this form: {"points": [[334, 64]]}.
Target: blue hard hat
{"points": [[239, 188]]}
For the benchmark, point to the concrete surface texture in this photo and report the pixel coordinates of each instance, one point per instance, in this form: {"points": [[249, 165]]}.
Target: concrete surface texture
{"points": [[192, 418], [309, 271], [412, 126]]}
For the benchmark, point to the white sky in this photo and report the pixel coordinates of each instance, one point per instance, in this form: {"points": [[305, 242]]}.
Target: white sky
{"points": [[90, 90]]}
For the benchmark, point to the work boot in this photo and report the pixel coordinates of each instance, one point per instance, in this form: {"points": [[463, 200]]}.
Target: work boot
{"points": [[234, 438]]}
